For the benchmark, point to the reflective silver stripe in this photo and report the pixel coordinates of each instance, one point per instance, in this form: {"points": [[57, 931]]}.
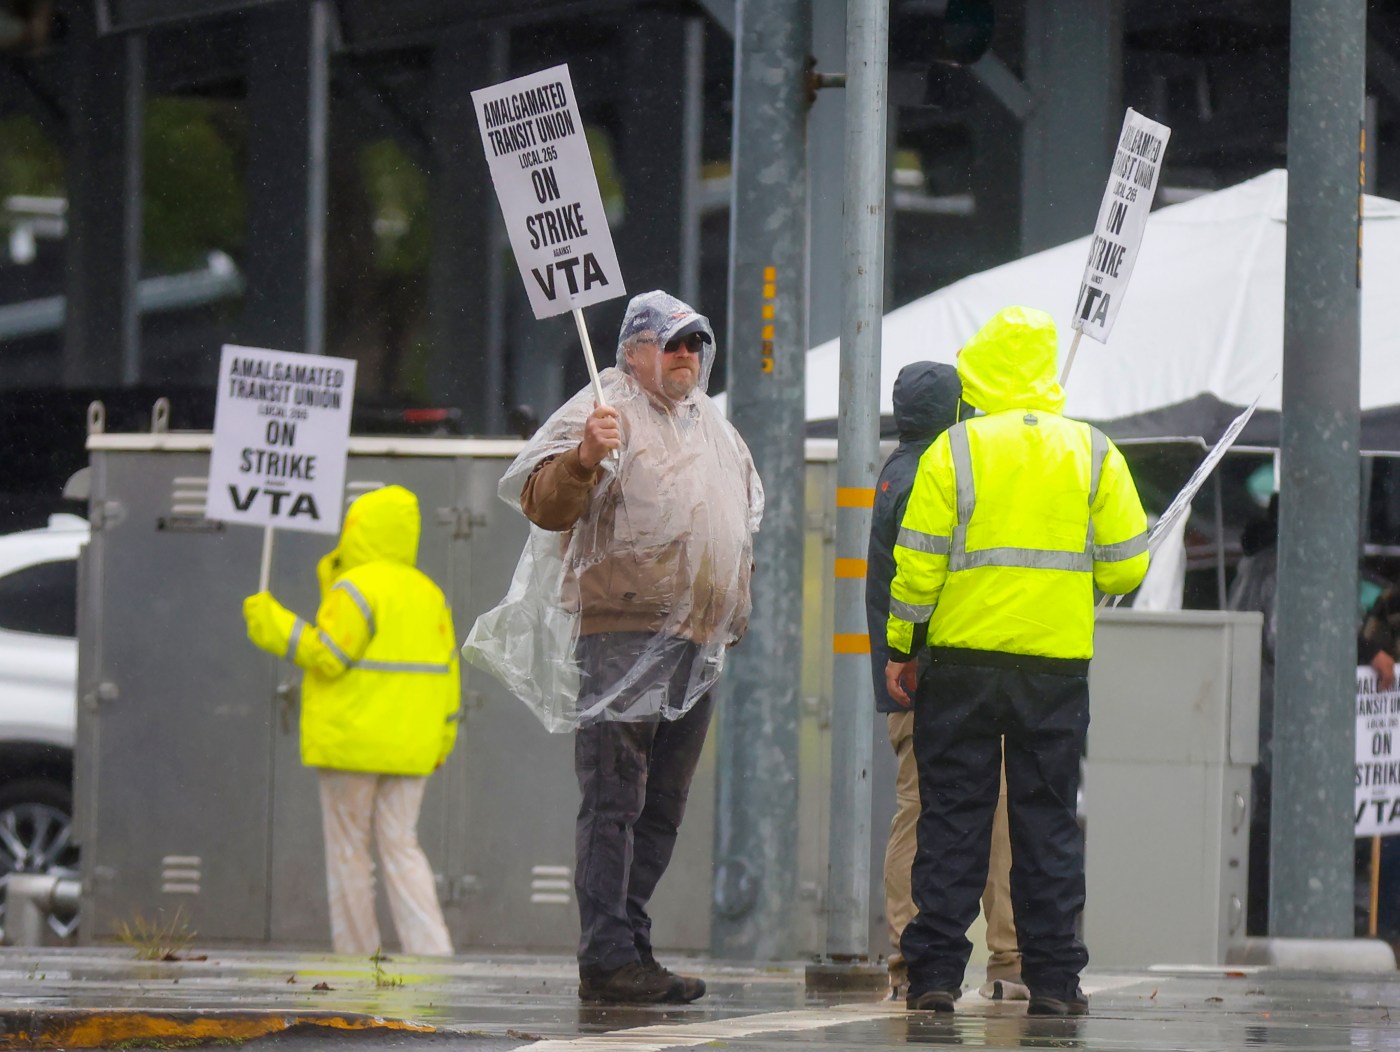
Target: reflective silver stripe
{"points": [[959, 558], [329, 644], [962, 470], [967, 494], [909, 612], [1113, 553], [298, 626], [918, 541], [453, 717], [403, 666], [360, 601], [1028, 558], [1098, 453]]}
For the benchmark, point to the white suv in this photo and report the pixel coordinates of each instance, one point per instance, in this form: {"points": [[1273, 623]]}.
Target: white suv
{"points": [[38, 690]]}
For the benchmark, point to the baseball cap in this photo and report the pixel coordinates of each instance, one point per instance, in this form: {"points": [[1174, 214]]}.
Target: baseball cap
{"points": [[666, 316]]}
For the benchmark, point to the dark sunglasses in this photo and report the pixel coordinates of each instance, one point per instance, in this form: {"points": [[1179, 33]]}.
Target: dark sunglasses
{"points": [[694, 343]]}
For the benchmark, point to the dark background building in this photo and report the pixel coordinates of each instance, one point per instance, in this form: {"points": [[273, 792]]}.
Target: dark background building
{"points": [[307, 175]]}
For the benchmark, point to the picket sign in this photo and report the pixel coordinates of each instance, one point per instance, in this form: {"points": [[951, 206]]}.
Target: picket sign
{"points": [[1127, 201], [1181, 503], [1377, 770], [281, 438], [533, 135]]}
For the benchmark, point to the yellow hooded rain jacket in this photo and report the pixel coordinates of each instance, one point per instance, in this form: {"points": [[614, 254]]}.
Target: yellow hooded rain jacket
{"points": [[1016, 516], [382, 689]]}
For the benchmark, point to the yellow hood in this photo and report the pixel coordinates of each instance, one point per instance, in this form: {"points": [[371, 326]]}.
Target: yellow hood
{"points": [[1011, 363], [381, 525]]}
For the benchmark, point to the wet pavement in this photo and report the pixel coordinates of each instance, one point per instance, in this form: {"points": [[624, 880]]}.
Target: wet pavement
{"points": [[511, 1002]]}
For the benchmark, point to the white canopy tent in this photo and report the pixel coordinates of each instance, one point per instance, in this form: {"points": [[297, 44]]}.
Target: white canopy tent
{"points": [[1200, 333]]}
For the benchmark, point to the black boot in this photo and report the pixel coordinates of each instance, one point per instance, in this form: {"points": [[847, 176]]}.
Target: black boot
{"points": [[1076, 1003], [632, 984], [692, 988]]}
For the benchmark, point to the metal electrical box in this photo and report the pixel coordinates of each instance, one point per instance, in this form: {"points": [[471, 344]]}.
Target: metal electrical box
{"points": [[1173, 734], [189, 790]]}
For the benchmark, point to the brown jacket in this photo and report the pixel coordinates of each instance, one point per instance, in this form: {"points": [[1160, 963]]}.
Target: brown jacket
{"points": [[665, 546]]}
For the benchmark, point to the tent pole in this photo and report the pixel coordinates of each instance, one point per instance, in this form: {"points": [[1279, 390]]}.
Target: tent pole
{"points": [[1219, 543]]}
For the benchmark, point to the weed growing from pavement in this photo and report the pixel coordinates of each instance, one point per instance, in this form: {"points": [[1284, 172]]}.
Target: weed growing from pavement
{"points": [[156, 940], [381, 977]]}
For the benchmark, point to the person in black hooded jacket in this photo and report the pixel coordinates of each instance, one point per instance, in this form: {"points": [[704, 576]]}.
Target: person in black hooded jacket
{"points": [[926, 403]]}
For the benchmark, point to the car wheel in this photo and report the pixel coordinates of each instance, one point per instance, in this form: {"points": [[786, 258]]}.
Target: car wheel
{"points": [[36, 836]]}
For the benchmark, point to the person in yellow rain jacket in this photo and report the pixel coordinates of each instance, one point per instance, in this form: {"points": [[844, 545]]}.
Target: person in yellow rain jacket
{"points": [[1014, 519], [379, 707]]}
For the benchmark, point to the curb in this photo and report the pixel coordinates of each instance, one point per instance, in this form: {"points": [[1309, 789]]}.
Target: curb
{"points": [[40, 1028]]}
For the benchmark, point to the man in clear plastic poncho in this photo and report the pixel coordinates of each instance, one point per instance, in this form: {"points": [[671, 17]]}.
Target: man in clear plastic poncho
{"points": [[633, 585]]}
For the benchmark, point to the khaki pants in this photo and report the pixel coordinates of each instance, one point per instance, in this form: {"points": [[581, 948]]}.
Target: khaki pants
{"points": [[1004, 959], [352, 802]]}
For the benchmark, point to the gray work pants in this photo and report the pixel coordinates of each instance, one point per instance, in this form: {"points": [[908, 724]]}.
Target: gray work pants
{"points": [[635, 778]]}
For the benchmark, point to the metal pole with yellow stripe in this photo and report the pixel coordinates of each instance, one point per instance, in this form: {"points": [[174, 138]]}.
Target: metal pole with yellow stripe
{"points": [[857, 465]]}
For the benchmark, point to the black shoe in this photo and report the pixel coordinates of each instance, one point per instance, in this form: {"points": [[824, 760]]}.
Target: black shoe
{"points": [[691, 987], [632, 984], [932, 1001], [1076, 1004]]}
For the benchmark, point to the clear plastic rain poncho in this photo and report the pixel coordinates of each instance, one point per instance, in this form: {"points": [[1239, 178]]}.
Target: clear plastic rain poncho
{"points": [[627, 614]]}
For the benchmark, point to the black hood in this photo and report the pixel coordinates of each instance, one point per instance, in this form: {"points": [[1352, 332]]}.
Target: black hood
{"points": [[1261, 533], [926, 398]]}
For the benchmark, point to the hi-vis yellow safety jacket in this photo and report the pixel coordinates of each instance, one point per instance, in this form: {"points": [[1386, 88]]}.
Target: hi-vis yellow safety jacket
{"points": [[1015, 516], [382, 689]]}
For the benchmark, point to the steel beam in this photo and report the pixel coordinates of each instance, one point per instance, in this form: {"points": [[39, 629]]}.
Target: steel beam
{"points": [[858, 443], [1074, 72], [826, 157], [466, 366], [102, 334], [289, 116]]}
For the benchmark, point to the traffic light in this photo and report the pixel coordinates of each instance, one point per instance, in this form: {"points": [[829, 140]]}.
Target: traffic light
{"points": [[928, 32]]}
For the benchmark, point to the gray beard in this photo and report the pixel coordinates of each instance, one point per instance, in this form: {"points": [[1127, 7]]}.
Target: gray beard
{"points": [[678, 389]]}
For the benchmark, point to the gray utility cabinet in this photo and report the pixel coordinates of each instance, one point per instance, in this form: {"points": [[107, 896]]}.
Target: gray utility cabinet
{"points": [[1173, 735], [190, 794]]}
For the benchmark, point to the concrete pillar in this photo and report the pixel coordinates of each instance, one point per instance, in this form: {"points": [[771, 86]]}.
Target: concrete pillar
{"points": [[1314, 707], [755, 886]]}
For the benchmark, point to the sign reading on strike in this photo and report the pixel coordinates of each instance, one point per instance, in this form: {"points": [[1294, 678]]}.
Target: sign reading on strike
{"points": [[1127, 200], [544, 180], [1377, 757], [281, 433]]}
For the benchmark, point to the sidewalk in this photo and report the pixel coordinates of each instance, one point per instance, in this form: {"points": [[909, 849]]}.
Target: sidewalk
{"points": [[83, 998]]}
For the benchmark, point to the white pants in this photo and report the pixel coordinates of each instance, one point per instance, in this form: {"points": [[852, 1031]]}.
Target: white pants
{"points": [[350, 802]]}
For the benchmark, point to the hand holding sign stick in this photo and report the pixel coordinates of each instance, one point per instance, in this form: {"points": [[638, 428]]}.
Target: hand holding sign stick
{"points": [[1127, 200]]}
